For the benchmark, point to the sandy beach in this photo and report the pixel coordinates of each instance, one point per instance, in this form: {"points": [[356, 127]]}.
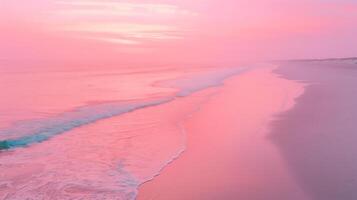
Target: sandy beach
{"points": [[317, 138], [282, 134], [228, 154]]}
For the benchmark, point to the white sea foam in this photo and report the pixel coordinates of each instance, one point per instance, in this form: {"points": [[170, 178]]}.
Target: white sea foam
{"points": [[30, 132], [195, 82]]}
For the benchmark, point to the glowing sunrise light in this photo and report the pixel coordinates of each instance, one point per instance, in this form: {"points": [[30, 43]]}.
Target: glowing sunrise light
{"points": [[119, 22], [129, 30], [121, 8]]}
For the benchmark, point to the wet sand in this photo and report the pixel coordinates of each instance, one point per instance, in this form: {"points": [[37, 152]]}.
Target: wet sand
{"points": [[228, 153]]}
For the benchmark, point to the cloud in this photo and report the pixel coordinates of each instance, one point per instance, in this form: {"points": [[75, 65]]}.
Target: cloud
{"points": [[125, 23]]}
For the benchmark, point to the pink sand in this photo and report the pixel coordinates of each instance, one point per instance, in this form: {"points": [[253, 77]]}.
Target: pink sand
{"points": [[228, 155]]}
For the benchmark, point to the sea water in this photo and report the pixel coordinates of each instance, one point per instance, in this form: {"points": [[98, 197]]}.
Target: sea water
{"points": [[67, 134]]}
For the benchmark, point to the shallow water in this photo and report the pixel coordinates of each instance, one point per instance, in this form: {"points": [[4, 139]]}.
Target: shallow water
{"points": [[69, 134]]}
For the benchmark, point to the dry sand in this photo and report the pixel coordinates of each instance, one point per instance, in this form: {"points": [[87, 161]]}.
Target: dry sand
{"points": [[318, 138]]}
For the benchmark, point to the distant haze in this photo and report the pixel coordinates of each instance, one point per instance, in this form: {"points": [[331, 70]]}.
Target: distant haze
{"points": [[177, 31]]}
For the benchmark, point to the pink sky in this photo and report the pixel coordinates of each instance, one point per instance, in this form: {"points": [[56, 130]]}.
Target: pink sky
{"points": [[208, 31]]}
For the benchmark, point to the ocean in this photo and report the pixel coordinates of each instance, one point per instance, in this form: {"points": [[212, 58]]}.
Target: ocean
{"points": [[94, 134]]}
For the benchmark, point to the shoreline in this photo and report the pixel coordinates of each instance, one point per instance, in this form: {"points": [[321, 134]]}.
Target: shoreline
{"points": [[283, 132], [215, 164]]}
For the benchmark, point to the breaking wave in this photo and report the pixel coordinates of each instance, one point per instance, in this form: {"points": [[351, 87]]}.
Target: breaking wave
{"points": [[23, 134]]}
